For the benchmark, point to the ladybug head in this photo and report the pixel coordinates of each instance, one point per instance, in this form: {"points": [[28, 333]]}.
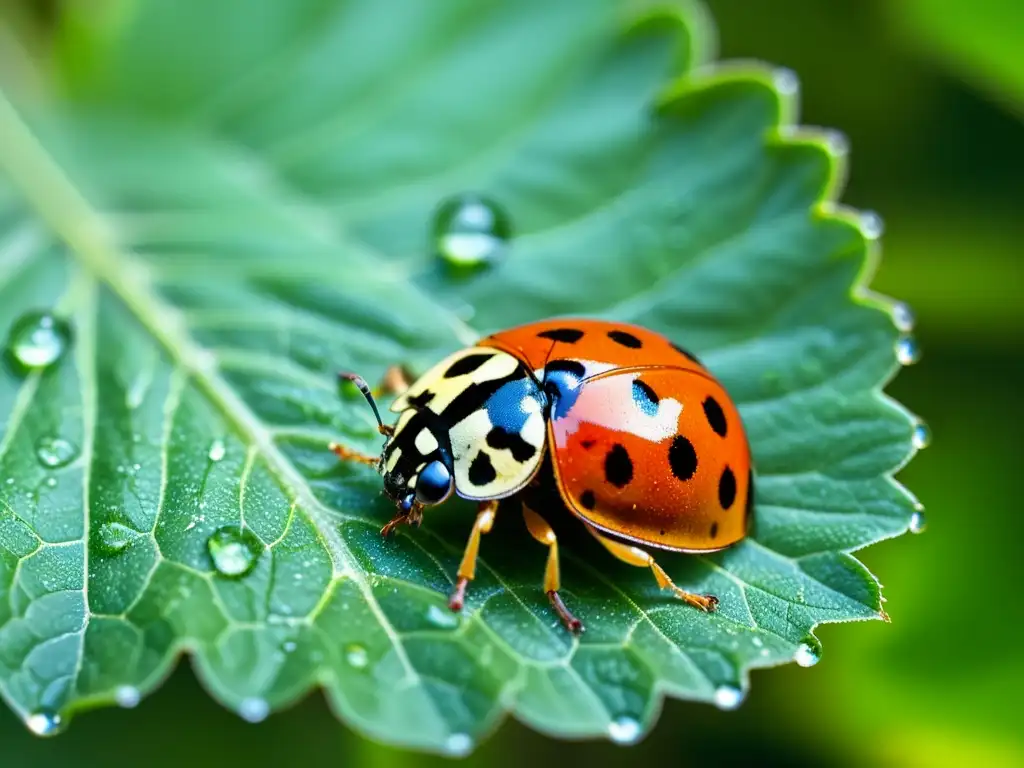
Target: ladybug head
{"points": [[413, 479]]}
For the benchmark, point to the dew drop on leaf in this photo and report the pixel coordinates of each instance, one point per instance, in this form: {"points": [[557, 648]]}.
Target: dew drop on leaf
{"points": [[786, 81], [728, 696], [254, 710], [907, 351], [903, 317], [458, 744], [922, 435], [442, 617], [808, 653], [55, 452], [217, 450], [918, 522], [837, 142], [234, 550], [470, 231], [356, 656], [115, 537], [127, 696], [43, 722], [871, 225], [37, 340], [624, 730]]}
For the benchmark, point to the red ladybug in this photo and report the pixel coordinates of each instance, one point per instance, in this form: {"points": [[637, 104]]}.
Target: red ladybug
{"points": [[646, 446]]}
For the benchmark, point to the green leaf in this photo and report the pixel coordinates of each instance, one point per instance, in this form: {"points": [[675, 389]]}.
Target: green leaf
{"points": [[979, 40], [232, 205]]}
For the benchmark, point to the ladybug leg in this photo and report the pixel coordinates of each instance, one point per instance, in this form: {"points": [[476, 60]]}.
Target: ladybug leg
{"points": [[636, 556], [347, 454], [467, 570], [542, 532]]}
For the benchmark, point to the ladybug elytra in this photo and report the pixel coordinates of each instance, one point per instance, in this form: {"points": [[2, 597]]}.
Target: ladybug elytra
{"points": [[646, 446]]}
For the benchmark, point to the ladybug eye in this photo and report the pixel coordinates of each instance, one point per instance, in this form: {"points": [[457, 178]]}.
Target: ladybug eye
{"points": [[434, 483], [406, 504]]}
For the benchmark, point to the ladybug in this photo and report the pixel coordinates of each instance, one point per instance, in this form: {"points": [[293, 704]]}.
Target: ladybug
{"points": [[646, 447]]}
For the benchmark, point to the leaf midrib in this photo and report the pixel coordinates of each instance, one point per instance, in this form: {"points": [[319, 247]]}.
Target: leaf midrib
{"points": [[62, 206]]}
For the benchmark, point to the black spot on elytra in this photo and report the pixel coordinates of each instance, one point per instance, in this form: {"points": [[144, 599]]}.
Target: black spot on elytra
{"points": [[618, 467], [749, 511], [682, 458], [481, 471], [467, 364], [421, 400], [715, 415], [687, 354], [575, 367], [587, 500], [626, 339], [521, 450], [727, 488], [645, 398], [714, 530], [587, 444], [566, 335]]}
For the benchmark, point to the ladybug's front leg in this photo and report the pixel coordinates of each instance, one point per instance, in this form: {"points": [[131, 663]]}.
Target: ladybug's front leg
{"points": [[467, 570]]}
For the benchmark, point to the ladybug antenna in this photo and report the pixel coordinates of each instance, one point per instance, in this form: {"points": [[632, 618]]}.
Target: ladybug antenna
{"points": [[360, 382]]}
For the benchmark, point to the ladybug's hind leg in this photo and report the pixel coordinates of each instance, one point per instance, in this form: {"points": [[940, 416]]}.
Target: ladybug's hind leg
{"points": [[467, 569], [640, 558], [542, 532]]}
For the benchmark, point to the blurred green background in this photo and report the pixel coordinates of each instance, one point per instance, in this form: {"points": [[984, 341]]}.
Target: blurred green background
{"points": [[931, 96]]}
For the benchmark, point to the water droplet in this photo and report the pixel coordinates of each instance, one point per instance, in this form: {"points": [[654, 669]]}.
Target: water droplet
{"points": [[903, 317], [922, 435], [127, 696], [442, 617], [837, 142], [624, 730], [808, 653], [234, 550], [217, 450], [918, 523], [43, 722], [55, 452], [289, 646], [115, 537], [254, 710], [38, 340], [907, 351], [356, 656], [458, 744], [871, 225], [470, 231], [728, 696], [786, 81]]}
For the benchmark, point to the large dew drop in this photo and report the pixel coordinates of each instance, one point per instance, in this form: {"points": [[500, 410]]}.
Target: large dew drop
{"points": [[808, 653], [458, 744], [470, 232], [918, 522], [254, 710], [907, 351], [356, 656], [903, 317], [922, 435], [127, 696], [114, 538], [728, 696], [624, 730], [55, 452], [37, 340], [43, 722], [234, 550]]}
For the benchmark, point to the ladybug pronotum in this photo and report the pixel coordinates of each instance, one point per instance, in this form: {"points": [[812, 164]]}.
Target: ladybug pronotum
{"points": [[646, 446]]}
